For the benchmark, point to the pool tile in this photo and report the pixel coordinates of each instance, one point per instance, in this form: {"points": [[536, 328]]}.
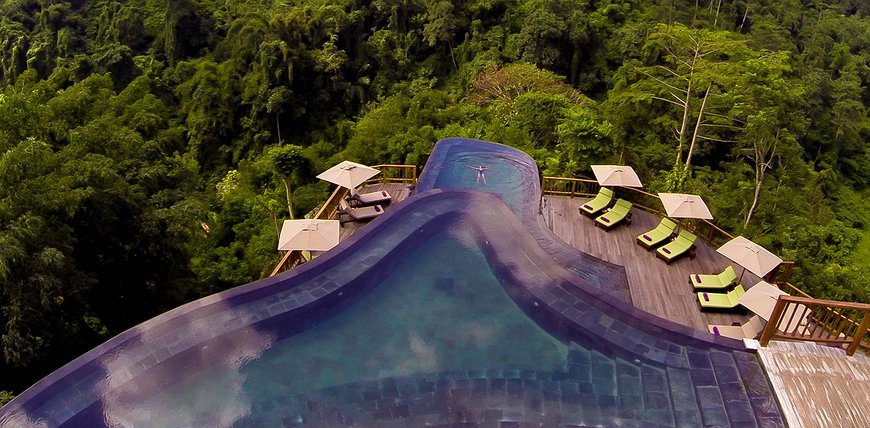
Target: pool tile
{"points": [[657, 400], [699, 360], [740, 412], [715, 417], [688, 418], [701, 377], [727, 373]]}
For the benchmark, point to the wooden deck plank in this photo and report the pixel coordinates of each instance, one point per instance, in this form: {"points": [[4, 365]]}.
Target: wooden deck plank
{"points": [[656, 287], [818, 386]]}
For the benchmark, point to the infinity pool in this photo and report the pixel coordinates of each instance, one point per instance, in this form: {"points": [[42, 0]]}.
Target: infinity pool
{"points": [[454, 307]]}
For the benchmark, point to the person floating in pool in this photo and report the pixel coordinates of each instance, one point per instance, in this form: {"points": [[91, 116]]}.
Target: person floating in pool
{"points": [[480, 173]]}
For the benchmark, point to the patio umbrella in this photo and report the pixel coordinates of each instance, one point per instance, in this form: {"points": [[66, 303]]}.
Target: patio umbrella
{"points": [[616, 175], [761, 298], [307, 234], [750, 255], [680, 205], [348, 174]]}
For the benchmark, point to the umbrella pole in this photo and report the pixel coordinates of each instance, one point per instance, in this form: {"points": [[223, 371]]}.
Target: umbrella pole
{"points": [[741, 276]]}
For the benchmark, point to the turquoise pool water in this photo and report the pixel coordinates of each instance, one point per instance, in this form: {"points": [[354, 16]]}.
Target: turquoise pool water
{"points": [[502, 177], [440, 310]]}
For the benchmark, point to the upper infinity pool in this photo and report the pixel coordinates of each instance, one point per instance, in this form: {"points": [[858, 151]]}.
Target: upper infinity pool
{"points": [[450, 308]]}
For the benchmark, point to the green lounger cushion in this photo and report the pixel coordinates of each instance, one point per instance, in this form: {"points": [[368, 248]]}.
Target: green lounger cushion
{"points": [[618, 213], [727, 300], [679, 246], [714, 282], [658, 235], [600, 202]]}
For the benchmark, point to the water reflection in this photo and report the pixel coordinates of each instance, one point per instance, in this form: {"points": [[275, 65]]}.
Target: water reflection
{"points": [[19, 419], [201, 386]]}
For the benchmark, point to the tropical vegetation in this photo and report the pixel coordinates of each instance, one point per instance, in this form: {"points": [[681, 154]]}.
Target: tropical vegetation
{"points": [[150, 148]]}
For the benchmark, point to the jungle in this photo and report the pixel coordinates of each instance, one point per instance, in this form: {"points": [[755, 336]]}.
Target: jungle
{"points": [[149, 148]]}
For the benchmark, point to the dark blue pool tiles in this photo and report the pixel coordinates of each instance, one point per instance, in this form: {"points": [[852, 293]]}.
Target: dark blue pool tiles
{"points": [[594, 390]]}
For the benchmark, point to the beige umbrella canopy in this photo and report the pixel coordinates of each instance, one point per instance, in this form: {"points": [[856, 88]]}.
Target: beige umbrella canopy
{"points": [[348, 174], [616, 175], [680, 205], [761, 298], [750, 255], [307, 234]]}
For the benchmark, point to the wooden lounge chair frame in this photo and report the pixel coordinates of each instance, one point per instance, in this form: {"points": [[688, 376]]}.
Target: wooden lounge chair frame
{"points": [[372, 198], [657, 236], [359, 214], [684, 243], [601, 201], [713, 282], [620, 211], [721, 301]]}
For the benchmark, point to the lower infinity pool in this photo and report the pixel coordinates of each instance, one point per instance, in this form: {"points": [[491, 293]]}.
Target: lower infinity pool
{"points": [[440, 316]]}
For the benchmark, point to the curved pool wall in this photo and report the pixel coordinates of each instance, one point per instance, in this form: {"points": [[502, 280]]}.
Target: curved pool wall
{"points": [[711, 376], [449, 167]]}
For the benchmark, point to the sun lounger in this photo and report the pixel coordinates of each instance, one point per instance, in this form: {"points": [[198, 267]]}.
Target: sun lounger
{"points": [[748, 330], [713, 282], [657, 236], [361, 213], [682, 244], [371, 198], [727, 300], [600, 202], [620, 211]]}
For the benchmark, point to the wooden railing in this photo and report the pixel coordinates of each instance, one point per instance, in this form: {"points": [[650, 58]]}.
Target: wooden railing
{"points": [[395, 174], [404, 174], [822, 321], [568, 186]]}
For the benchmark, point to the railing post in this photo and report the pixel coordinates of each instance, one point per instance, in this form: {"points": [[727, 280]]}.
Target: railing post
{"points": [[859, 335], [772, 322]]}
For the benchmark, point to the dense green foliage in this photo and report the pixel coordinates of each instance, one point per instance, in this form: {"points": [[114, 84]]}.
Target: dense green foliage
{"points": [[150, 148]]}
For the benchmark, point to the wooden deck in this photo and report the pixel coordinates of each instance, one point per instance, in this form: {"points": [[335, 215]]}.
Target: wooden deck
{"points": [[656, 287], [399, 192], [818, 386]]}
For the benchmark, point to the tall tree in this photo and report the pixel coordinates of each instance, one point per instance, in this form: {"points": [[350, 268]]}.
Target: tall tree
{"points": [[692, 71], [288, 160]]}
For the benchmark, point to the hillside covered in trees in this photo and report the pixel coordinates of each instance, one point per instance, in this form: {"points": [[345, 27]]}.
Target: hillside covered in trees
{"points": [[148, 145]]}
